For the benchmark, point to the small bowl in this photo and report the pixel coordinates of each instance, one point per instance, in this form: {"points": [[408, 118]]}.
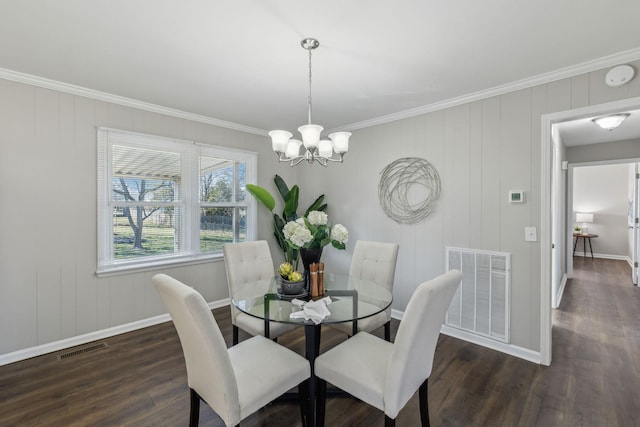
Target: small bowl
{"points": [[292, 288]]}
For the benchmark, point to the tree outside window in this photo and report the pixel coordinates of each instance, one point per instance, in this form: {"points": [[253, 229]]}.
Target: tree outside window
{"points": [[153, 208]]}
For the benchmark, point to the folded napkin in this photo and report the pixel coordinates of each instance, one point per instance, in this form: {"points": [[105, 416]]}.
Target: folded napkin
{"points": [[315, 311]]}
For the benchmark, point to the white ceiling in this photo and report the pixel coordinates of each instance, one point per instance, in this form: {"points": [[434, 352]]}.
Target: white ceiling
{"points": [[240, 61], [585, 132]]}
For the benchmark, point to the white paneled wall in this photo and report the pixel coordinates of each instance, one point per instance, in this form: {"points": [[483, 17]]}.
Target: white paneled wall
{"points": [[48, 287], [482, 150]]}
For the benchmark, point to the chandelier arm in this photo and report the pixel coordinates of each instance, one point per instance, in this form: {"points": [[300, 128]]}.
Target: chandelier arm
{"points": [[321, 160], [331, 159], [282, 157], [297, 160]]}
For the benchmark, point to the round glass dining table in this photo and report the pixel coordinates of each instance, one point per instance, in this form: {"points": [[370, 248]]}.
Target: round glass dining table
{"points": [[352, 299]]}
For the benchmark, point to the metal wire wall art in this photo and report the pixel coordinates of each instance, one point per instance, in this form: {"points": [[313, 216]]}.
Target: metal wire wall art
{"points": [[401, 181]]}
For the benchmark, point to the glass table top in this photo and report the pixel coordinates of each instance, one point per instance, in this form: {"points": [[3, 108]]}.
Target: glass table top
{"points": [[351, 299]]}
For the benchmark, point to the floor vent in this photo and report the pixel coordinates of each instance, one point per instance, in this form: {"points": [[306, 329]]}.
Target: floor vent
{"points": [[83, 350]]}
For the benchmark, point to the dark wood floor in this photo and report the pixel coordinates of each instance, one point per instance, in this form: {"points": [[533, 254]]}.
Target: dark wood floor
{"points": [[594, 379]]}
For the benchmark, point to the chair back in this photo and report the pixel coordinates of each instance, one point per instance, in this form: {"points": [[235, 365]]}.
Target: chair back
{"points": [[209, 369], [415, 343], [246, 262], [375, 261]]}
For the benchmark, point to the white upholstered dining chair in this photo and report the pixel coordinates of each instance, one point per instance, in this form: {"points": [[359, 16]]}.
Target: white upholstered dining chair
{"points": [[236, 382], [249, 264], [376, 262], [386, 375]]}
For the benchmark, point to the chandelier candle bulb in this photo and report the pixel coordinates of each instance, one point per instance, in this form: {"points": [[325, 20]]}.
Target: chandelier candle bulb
{"points": [[280, 140], [325, 148], [340, 141], [293, 148], [310, 135]]}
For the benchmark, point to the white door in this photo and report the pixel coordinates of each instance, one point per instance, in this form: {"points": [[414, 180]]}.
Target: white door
{"points": [[635, 203], [556, 230]]}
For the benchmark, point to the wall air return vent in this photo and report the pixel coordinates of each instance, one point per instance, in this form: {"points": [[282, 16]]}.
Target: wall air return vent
{"points": [[481, 304]]}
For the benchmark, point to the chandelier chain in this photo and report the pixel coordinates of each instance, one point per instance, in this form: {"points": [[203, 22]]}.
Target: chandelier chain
{"points": [[309, 100]]}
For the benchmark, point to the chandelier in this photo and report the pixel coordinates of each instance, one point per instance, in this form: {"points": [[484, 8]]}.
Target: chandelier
{"points": [[315, 149]]}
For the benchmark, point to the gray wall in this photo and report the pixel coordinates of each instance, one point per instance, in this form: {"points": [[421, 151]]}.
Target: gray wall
{"points": [[482, 150], [48, 287], [629, 149]]}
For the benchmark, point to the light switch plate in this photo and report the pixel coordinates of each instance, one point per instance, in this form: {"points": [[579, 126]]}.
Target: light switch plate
{"points": [[530, 234]]}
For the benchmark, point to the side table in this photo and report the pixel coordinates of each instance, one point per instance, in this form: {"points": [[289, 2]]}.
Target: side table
{"points": [[584, 238]]}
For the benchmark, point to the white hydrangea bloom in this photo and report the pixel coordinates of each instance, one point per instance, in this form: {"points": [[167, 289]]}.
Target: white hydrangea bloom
{"points": [[340, 233], [289, 229], [296, 233], [317, 218], [301, 237]]}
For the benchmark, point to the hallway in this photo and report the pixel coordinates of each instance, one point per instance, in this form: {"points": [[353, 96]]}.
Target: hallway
{"points": [[596, 345]]}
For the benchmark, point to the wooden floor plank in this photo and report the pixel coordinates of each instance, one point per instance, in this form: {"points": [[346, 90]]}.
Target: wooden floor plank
{"points": [[140, 378]]}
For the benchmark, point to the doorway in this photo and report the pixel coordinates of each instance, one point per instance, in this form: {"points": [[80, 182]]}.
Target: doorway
{"points": [[551, 177], [607, 192]]}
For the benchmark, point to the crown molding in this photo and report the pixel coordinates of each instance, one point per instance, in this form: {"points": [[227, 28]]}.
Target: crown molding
{"points": [[121, 100], [563, 73]]}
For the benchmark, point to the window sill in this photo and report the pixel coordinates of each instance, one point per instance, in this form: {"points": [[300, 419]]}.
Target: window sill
{"points": [[155, 265]]}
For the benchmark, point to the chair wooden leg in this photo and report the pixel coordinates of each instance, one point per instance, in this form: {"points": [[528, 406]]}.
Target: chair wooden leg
{"points": [[303, 389], [424, 403], [389, 422], [194, 413], [322, 402], [387, 331], [235, 335]]}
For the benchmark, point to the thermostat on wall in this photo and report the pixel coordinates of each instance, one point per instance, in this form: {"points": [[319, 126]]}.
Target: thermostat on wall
{"points": [[516, 196]]}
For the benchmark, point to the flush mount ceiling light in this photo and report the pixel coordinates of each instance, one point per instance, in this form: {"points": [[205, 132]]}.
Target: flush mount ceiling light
{"points": [[610, 122], [316, 149]]}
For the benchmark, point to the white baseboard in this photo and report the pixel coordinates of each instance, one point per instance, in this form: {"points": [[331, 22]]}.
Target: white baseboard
{"points": [[39, 350], [603, 256], [397, 314], [513, 350], [563, 283]]}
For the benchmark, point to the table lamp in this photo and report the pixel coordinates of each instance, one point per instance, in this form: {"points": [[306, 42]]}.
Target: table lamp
{"points": [[584, 218]]}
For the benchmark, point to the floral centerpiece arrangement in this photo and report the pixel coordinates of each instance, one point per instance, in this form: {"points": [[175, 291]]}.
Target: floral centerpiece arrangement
{"points": [[314, 231], [289, 213]]}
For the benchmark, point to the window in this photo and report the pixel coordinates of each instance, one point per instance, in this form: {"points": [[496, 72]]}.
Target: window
{"points": [[163, 200]]}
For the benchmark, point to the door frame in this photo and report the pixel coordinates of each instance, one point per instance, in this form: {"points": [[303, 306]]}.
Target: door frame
{"points": [[546, 216], [570, 209]]}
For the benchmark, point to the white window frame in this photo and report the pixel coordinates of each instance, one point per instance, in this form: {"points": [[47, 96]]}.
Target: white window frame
{"points": [[190, 151]]}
